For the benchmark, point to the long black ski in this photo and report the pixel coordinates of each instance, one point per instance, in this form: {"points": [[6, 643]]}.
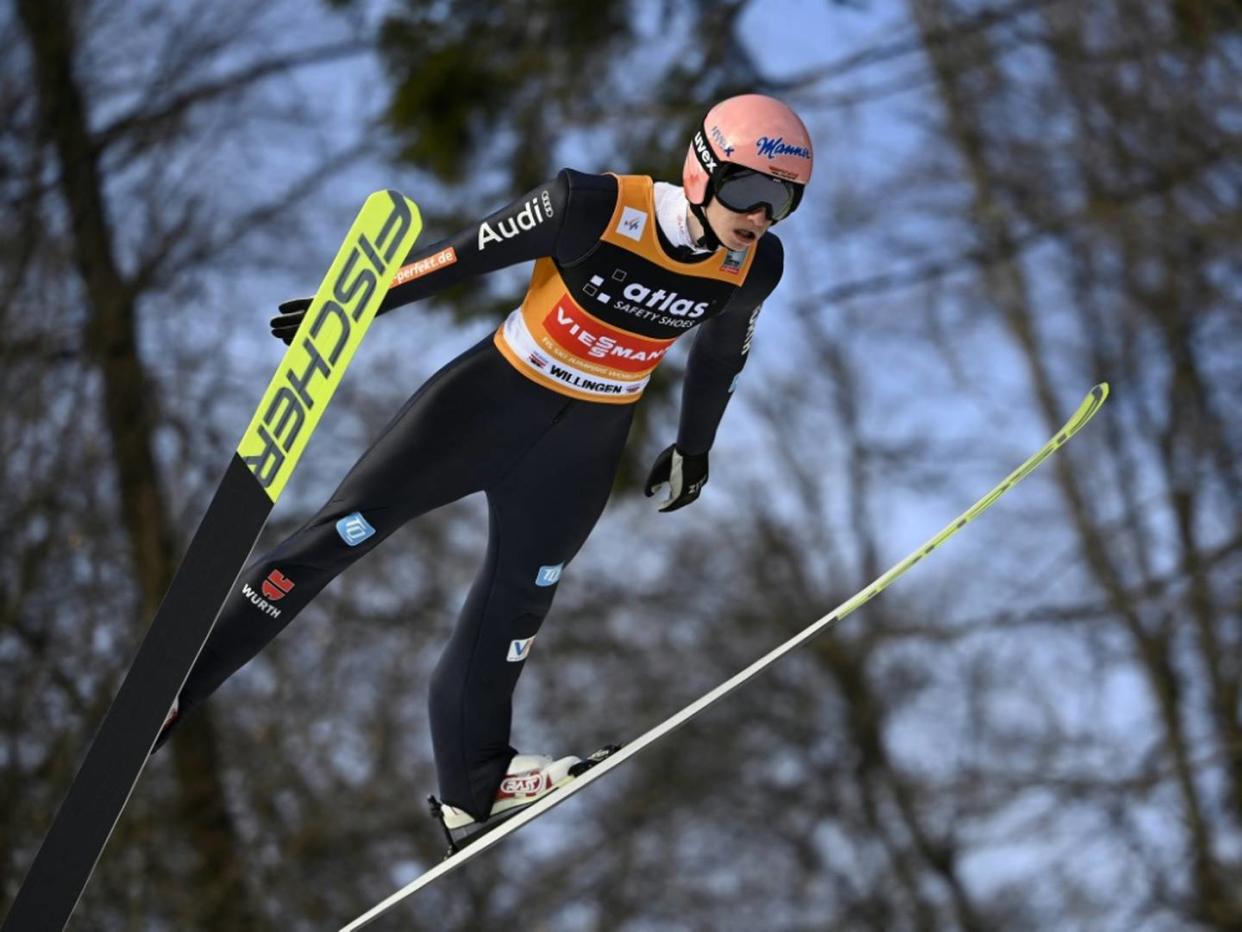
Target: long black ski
{"points": [[484, 839], [335, 323]]}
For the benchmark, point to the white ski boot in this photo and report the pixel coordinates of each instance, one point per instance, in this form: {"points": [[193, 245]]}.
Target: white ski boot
{"points": [[529, 777]]}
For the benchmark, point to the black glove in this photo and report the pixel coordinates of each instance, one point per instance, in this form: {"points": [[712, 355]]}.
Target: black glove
{"points": [[291, 314], [685, 474]]}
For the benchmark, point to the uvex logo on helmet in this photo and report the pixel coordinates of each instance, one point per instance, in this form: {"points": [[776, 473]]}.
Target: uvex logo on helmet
{"points": [[705, 152]]}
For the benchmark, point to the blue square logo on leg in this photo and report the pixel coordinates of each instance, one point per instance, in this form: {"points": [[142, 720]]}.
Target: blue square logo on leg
{"points": [[354, 529], [549, 575]]}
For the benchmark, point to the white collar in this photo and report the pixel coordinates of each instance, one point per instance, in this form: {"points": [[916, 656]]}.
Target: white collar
{"points": [[672, 211]]}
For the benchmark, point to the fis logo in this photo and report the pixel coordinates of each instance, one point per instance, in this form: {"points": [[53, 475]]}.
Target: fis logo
{"points": [[705, 153], [325, 342], [632, 223], [354, 529], [533, 212], [519, 650]]}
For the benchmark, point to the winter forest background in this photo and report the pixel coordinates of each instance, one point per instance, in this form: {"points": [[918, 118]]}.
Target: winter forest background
{"points": [[1039, 728]]}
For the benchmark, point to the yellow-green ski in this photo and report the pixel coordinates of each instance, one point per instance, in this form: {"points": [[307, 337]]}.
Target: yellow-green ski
{"points": [[330, 334], [343, 308]]}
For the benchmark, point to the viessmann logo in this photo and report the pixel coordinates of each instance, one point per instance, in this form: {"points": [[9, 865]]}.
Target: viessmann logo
{"points": [[315, 361]]}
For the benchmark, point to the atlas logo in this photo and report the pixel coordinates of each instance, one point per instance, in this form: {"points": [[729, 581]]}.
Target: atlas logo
{"points": [[705, 153], [770, 148], [640, 296], [533, 212], [321, 342]]}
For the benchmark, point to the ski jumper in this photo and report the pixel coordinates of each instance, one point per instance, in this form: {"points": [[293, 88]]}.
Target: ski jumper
{"points": [[536, 417]]}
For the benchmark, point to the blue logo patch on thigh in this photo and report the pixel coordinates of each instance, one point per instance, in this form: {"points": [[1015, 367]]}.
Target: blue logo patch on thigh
{"points": [[549, 575], [354, 529], [519, 650]]}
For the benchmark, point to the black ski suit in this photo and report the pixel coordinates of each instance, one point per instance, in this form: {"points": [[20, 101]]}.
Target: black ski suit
{"points": [[536, 417]]}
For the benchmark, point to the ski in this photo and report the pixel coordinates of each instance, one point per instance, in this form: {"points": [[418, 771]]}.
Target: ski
{"points": [[336, 321], [486, 839]]}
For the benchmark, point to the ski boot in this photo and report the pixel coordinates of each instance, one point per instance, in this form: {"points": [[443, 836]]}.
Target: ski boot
{"points": [[530, 777]]}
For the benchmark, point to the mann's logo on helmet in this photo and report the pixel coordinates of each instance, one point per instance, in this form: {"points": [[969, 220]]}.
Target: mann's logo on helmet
{"points": [[770, 148], [705, 152]]}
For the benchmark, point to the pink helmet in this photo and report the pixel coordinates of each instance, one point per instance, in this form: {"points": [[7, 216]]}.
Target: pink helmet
{"points": [[753, 131]]}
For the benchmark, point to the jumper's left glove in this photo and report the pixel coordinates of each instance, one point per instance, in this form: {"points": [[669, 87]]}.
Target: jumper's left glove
{"points": [[684, 474], [291, 314]]}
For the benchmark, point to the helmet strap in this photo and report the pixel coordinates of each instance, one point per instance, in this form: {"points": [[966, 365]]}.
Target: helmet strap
{"points": [[708, 240]]}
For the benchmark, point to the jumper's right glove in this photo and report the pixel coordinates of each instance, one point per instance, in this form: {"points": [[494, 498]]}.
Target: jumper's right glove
{"points": [[291, 314], [684, 474]]}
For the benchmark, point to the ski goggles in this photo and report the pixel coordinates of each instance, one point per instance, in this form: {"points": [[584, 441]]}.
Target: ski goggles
{"points": [[744, 190]]}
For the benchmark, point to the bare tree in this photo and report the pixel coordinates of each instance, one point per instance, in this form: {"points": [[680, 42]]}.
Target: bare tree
{"points": [[114, 218]]}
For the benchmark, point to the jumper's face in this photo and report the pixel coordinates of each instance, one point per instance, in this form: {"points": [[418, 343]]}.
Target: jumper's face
{"points": [[736, 231]]}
